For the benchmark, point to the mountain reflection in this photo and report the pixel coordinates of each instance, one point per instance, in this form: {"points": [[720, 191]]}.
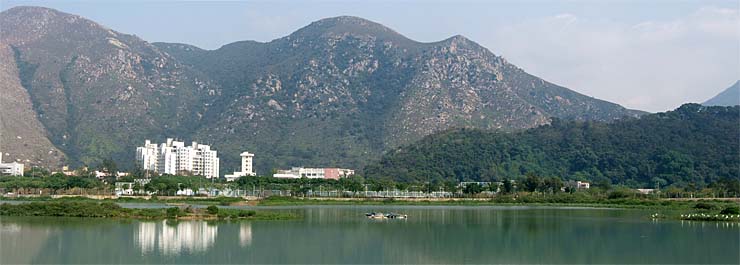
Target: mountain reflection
{"points": [[171, 239]]}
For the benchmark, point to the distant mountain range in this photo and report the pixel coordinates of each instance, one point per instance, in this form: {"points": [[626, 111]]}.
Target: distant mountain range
{"points": [[728, 97], [338, 92]]}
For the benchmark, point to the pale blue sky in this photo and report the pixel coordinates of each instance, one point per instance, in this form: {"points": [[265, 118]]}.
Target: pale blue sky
{"points": [[649, 55]]}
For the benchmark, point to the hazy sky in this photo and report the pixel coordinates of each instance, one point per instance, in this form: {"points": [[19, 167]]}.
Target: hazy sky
{"points": [[648, 55]]}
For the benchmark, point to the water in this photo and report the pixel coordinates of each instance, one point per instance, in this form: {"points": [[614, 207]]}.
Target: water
{"points": [[341, 234]]}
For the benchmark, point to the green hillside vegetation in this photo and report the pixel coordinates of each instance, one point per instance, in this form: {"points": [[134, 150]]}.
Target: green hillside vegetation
{"points": [[692, 146]]}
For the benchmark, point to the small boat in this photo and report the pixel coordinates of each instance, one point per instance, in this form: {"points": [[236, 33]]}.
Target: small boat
{"points": [[375, 215], [396, 216]]}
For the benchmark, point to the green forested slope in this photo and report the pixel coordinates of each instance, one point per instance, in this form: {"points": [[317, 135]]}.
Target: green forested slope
{"points": [[692, 145]]}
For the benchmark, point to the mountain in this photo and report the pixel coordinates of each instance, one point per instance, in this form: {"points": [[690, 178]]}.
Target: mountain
{"points": [[342, 90], [728, 97], [338, 92], [97, 92], [693, 144]]}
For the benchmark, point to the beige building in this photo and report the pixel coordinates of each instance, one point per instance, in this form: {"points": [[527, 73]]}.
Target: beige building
{"points": [[246, 168]]}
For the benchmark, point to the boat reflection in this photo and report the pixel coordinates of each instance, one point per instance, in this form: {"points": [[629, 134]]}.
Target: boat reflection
{"points": [[172, 238]]}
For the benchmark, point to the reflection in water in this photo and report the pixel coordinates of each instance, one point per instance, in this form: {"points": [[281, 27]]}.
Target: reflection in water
{"points": [[342, 235], [9, 229], [193, 236], [245, 234], [22, 238]]}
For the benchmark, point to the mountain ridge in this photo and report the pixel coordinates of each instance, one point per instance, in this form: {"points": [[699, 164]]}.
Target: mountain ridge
{"points": [[728, 97], [337, 92]]}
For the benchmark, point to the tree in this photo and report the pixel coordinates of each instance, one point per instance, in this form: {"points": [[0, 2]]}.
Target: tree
{"points": [[532, 183], [508, 186], [353, 184], [137, 187], [109, 166], [450, 186], [493, 187], [138, 172], [56, 182], [553, 184], [473, 189]]}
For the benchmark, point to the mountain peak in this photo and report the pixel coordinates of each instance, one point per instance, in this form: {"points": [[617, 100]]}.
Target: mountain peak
{"points": [[27, 23], [345, 20], [341, 25], [35, 14], [18, 9], [460, 40]]}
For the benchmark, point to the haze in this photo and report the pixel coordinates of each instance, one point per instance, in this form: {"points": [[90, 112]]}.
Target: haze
{"points": [[647, 55]]}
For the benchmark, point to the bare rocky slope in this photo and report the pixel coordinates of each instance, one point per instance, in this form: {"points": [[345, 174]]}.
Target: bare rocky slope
{"points": [[728, 97], [22, 137], [338, 92]]}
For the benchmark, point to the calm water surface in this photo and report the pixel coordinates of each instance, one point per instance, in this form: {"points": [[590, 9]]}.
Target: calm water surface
{"points": [[341, 234]]}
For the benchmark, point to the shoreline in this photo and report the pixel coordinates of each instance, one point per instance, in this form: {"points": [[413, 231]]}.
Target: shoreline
{"points": [[525, 200], [90, 209], [704, 210]]}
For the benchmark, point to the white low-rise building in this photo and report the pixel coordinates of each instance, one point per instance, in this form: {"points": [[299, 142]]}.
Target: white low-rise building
{"points": [[124, 188], [10, 169], [314, 173], [185, 192], [246, 167]]}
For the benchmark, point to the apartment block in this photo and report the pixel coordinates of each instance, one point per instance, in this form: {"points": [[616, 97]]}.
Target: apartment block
{"points": [[174, 157]]}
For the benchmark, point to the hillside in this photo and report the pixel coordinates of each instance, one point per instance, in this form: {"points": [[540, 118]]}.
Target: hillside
{"points": [[728, 97], [692, 144], [338, 92], [97, 92], [344, 89], [22, 136]]}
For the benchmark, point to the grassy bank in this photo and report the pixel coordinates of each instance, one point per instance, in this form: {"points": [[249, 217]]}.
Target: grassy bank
{"points": [[224, 201], [113, 210], [522, 199]]}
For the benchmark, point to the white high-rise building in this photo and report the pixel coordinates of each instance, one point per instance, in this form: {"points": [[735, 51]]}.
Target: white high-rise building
{"points": [[146, 156], [174, 157], [246, 170]]}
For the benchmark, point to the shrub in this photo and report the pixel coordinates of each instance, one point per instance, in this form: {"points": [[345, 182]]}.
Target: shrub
{"points": [[731, 210], [173, 212], [213, 209], [704, 206], [619, 194], [249, 213]]}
